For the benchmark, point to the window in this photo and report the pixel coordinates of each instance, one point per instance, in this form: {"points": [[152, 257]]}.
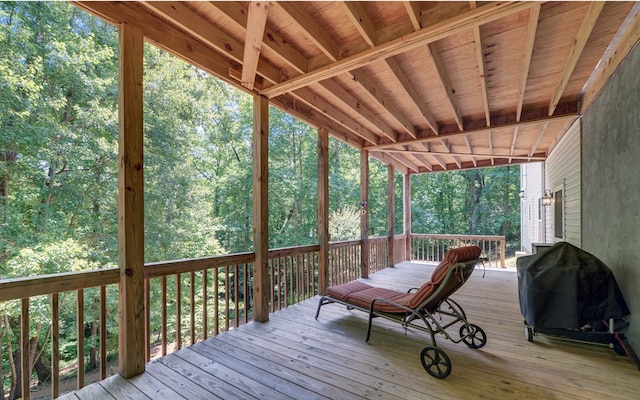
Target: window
{"points": [[558, 217]]}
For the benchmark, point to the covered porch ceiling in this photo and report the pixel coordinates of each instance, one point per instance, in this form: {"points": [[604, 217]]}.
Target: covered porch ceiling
{"points": [[422, 86]]}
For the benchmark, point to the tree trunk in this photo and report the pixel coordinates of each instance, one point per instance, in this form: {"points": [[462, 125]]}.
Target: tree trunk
{"points": [[93, 351]]}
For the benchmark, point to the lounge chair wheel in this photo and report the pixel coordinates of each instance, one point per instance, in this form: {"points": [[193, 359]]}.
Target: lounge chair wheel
{"points": [[435, 362], [473, 336]]}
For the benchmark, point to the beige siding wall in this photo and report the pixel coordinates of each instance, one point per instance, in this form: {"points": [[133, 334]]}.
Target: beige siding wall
{"points": [[563, 173], [531, 215]]}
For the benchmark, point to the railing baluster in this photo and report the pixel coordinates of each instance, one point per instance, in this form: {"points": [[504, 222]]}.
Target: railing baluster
{"points": [[205, 282], [103, 332], [147, 319], [80, 310], [245, 296], [227, 297], [236, 295], [163, 315], [178, 312], [55, 346], [192, 310], [25, 365], [216, 302]]}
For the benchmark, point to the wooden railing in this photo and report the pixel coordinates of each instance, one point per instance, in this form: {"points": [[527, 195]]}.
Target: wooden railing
{"points": [[432, 247], [185, 301]]}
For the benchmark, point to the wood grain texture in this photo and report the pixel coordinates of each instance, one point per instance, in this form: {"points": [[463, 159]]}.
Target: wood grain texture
{"points": [[295, 356]]}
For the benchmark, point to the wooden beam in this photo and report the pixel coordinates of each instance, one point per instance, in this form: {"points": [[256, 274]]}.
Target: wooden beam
{"points": [[412, 92], [480, 131], [482, 70], [261, 208], [317, 102], [458, 154], [586, 27], [532, 27], [346, 98], [445, 83], [490, 138], [315, 32], [534, 147], [201, 29], [376, 94], [447, 27], [413, 10], [256, 22], [470, 148], [391, 213], [360, 19], [513, 142], [364, 214], [614, 55], [177, 42], [131, 338], [237, 13], [323, 210]]}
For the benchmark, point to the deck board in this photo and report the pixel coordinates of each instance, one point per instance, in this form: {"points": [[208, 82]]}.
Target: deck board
{"points": [[294, 356]]}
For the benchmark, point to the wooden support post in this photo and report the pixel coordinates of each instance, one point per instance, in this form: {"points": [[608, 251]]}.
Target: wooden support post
{"points": [[364, 213], [131, 204], [391, 215], [407, 215], [261, 208], [323, 210]]}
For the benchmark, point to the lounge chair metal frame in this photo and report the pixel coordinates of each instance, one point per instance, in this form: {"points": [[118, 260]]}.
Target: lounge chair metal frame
{"points": [[430, 312]]}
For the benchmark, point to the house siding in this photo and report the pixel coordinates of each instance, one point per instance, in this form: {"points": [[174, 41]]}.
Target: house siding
{"points": [[563, 168], [611, 178]]}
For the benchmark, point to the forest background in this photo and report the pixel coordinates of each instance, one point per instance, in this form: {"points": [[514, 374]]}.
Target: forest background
{"points": [[59, 162]]}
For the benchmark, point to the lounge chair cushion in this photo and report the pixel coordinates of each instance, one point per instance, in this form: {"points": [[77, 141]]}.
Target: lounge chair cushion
{"points": [[363, 298], [453, 256], [341, 292]]}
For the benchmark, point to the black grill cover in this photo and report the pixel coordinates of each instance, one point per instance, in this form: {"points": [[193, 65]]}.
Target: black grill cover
{"points": [[568, 288]]}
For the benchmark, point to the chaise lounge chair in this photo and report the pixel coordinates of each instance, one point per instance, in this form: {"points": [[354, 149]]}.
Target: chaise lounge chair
{"points": [[415, 306]]}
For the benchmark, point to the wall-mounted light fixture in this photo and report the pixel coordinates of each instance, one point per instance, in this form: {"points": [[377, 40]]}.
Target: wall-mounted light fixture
{"points": [[521, 194], [547, 198]]}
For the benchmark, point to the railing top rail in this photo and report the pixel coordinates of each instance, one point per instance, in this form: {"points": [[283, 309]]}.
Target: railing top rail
{"points": [[450, 236], [166, 268], [347, 243], [22, 288], [289, 251]]}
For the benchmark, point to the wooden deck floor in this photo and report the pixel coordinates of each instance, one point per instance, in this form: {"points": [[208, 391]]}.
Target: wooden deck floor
{"points": [[293, 356]]}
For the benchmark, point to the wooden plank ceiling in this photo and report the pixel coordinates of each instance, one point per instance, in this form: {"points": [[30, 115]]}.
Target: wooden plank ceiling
{"points": [[423, 86]]}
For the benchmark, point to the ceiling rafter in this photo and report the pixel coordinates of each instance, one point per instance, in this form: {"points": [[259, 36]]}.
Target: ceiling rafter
{"points": [[514, 139], [344, 97], [470, 148], [532, 27], [534, 147], [200, 28], [305, 22], [490, 138], [613, 56], [322, 106], [413, 10], [376, 94], [445, 83], [586, 27], [361, 20], [447, 145], [449, 26], [482, 73], [413, 94], [256, 22], [236, 12]]}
